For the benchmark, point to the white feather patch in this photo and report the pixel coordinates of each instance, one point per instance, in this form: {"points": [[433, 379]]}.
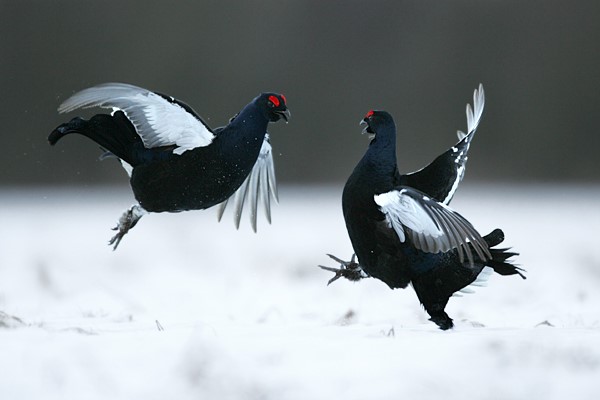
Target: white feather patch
{"points": [[127, 167], [156, 120], [480, 281], [402, 210], [460, 172]]}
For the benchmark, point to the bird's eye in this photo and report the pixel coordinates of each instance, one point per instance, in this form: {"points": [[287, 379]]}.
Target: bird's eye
{"points": [[274, 101]]}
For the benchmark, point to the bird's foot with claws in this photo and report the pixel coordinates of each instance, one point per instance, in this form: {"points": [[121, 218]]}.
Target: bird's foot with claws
{"points": [[127, 221], [350, 270]]}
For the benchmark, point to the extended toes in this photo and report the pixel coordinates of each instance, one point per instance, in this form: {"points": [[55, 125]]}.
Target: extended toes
{"points": [[115, 240], [127, 221], [350, 270]]}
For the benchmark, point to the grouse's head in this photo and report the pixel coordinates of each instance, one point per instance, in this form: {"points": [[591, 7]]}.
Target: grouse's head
{"points": [[275, 106], [376, 121]]}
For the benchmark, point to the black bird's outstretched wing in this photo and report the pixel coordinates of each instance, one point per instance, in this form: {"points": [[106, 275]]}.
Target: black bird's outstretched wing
{"points": [[159, 120], [431, 226], [259, 186], [440, 179]]}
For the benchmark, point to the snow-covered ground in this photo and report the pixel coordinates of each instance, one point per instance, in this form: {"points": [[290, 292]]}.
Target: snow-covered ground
{"points": [[188, 308]]}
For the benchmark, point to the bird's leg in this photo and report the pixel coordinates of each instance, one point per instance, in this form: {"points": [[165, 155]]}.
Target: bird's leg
{"points": [[429, 294], [440, 318], [127, 221], [350, 270]]}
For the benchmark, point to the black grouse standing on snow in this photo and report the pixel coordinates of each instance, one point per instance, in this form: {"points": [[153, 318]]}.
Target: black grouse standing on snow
{"points": [[401, 227], [175, 161]]}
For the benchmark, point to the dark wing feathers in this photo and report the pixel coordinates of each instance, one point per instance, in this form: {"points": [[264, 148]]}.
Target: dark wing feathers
{"points": [[440, 179]]}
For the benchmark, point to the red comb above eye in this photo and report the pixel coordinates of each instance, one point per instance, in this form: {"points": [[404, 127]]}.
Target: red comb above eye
{"points": [[284, 99], [274, 100], [369, 114]]}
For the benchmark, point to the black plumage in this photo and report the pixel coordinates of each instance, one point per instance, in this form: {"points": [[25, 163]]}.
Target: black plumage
{"points": [[401, 227], [175, 161]]}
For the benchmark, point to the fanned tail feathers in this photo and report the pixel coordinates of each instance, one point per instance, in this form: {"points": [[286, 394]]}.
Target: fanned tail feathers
{"points": [[112, 132], [500, 256]]}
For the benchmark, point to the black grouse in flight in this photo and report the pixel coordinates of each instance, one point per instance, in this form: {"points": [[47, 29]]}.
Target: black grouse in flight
{"points": [[401, 227], [176, 162]]}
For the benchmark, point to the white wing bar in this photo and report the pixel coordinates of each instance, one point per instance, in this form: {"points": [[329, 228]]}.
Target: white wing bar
{"points": [[159, 122], [431, 226]]}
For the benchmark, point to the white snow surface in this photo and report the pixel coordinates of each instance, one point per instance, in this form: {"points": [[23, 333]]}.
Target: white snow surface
{"points": [[249, 316]]}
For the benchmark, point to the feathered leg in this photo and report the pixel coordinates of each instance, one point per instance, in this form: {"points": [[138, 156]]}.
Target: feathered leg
{"points": [[127, 221], [432, 295]]}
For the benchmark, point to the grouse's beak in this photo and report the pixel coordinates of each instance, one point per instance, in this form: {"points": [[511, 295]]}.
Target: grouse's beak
{"points": [[367, 129], [285, 114], [364, 122]]}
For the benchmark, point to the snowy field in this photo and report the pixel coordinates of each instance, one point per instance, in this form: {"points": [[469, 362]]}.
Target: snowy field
{"points": [[188, 308]]}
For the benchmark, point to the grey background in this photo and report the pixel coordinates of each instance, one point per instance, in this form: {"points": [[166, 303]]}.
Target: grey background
{"points": [[334, 60]]}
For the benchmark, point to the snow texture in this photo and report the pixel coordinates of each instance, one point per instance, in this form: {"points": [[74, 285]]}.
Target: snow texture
{"points": [[188, 308]]}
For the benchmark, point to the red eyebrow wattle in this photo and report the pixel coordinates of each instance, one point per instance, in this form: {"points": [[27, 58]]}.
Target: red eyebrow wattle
{"points": [[370, 113], [274, 100], [284, 99]]}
